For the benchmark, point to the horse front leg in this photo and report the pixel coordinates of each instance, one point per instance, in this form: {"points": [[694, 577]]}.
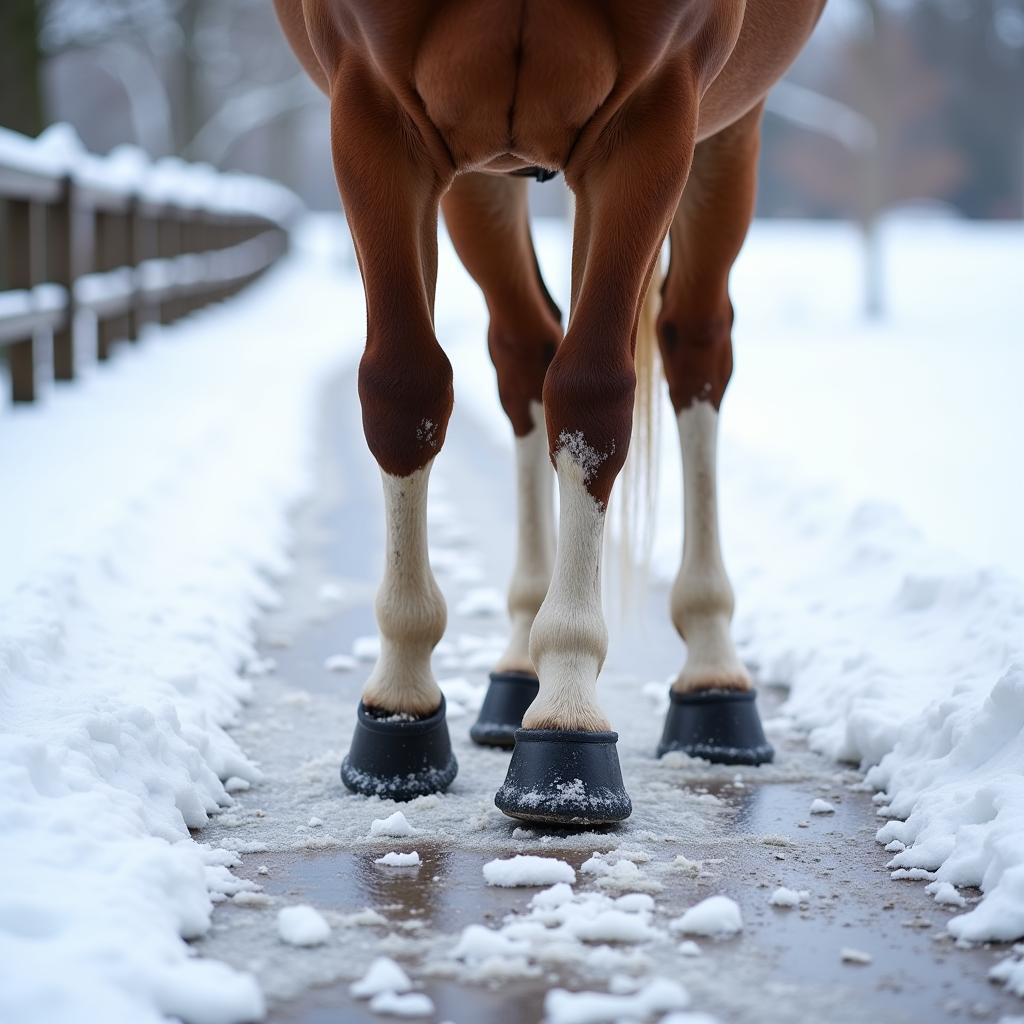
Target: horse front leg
{"points": [[391, 191], [488, 220], [565, 766]]}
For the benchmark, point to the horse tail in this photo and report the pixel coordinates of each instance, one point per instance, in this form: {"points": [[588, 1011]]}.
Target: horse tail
{"points": [[638, 484]]}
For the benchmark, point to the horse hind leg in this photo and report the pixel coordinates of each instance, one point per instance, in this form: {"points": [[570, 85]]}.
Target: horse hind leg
{"points": [[712, 714], [400, 748], [488, 220]]}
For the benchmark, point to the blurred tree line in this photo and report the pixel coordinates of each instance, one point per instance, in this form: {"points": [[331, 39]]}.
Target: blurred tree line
{"points": [[893, 102]]}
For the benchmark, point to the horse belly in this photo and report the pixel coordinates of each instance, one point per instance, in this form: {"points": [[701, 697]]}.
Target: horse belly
{"points": [[495, 83]]}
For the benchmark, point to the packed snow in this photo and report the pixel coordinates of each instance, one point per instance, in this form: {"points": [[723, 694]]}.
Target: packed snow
{"points": [[527, 870], [302, 925]]}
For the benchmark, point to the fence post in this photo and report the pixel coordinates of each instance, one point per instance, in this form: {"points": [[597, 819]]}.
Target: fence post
{"points": [[22, 260], [60, 256]]}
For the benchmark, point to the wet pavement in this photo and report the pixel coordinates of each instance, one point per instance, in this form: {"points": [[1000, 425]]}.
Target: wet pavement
{"points": [[303, 839]]}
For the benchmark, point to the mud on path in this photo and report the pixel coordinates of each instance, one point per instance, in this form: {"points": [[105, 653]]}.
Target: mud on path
{"points": [[302, 838]]}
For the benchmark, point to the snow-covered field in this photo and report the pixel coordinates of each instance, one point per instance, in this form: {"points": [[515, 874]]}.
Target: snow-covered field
{"points": [[871, 501]]}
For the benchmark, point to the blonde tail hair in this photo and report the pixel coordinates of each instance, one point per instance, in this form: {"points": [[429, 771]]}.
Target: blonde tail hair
{"points": [[635, 498]]}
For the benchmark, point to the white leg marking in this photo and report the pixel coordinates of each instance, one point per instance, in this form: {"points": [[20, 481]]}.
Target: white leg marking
{"points": [[535, 541], [411, 612], [702, 598], [569, 639]]}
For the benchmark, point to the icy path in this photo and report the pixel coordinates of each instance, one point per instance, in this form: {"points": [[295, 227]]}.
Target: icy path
{"points": [[696, 831]]}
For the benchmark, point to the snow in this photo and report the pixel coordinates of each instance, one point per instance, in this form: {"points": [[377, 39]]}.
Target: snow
{"points": [[151, 513], [688, 948], [1010, 971], [819, 806], [340, 663], [716, 917], [525, 870], [854, 956], [412, 1004], [383, 975], [882, 578], [658, 996], [366, 648], [399, 860], [788, 898], [481, 602], [396, 826], [302, 925]]}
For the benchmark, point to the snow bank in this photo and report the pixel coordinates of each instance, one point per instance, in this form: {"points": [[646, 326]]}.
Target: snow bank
{"points": [[302, 925], [527, 870], [149, 505]]}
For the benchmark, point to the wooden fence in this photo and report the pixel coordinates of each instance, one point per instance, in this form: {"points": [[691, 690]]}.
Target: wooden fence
{"points": [[118, 251]]}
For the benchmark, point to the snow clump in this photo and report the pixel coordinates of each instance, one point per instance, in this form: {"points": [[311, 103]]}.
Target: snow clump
{"points": [[396, 826], [301, 925], [523, 870], [717, 916]]}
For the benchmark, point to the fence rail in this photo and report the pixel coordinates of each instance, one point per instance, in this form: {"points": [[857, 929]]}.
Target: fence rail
{"points": [[128, 250]]}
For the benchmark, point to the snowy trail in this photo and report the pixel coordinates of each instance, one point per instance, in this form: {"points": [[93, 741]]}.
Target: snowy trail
{"points": [[304, 839], [146, 511]]}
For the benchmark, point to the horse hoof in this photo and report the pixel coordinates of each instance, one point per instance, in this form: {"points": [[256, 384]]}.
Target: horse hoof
{"points": [[509, 694], [722, 726], [564, 777], [399, 759]]}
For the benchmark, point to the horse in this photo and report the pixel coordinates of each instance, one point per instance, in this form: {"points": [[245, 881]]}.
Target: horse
{"points": [[651, 109]]}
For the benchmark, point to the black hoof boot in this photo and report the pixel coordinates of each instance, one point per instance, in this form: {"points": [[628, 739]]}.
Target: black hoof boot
{"points": [[399, 759], [564, 777], [718, 725], [508, 696]]}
